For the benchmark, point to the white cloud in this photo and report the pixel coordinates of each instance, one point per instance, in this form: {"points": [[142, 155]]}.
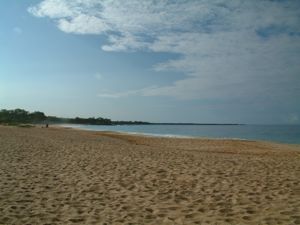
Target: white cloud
{"points": [[52, 9], [228, 49], [78, 16], [82, 24]]}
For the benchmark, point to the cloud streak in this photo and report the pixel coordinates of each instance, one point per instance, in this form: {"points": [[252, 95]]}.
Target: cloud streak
{"points": [[228, 49], [148, 91]]}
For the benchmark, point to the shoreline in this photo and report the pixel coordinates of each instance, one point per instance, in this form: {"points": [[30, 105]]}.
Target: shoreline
{"points": [[150, 135], [153, 135]]}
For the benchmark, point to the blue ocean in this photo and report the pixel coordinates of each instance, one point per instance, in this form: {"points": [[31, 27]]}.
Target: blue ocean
{"points": [[276, 133]]}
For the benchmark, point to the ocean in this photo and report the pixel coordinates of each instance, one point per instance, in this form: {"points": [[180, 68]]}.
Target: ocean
{"points": [[276, 133]]}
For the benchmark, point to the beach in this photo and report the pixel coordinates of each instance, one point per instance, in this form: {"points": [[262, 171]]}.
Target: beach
{"points": [[67, 176]]}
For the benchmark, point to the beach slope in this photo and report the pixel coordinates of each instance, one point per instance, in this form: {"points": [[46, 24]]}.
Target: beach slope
{"points": [[65, 176]]}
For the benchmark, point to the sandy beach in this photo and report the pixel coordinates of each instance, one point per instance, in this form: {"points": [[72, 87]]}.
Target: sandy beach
{"points": [[64, 176]]}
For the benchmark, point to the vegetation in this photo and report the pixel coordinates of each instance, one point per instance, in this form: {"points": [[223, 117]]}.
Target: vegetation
{"points": [[130, 123], [93, 121], [20, 116]]}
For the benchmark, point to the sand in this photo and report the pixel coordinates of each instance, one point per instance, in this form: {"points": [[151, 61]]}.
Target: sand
{"points": [[64, 176]]}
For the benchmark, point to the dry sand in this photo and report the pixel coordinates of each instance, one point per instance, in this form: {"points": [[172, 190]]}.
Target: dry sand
{"points": [[63, 176]]}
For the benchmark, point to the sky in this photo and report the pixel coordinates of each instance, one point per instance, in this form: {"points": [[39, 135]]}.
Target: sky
{"points": [[201, 61]]}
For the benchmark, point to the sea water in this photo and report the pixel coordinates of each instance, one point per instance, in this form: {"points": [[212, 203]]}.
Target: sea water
{"points": [[277, 133]]}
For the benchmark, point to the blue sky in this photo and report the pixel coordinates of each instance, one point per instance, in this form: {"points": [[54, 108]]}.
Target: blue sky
{"points": [[210, 61]]}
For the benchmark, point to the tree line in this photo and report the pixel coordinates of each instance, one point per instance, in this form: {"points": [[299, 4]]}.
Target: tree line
{"points": [[21, 116]]}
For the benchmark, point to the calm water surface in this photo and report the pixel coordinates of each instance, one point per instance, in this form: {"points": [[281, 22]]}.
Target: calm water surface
{"points": [[278, 133]]}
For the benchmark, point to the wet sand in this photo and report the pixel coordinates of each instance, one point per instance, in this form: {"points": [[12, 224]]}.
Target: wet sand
{"points": [[64, 176]]}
